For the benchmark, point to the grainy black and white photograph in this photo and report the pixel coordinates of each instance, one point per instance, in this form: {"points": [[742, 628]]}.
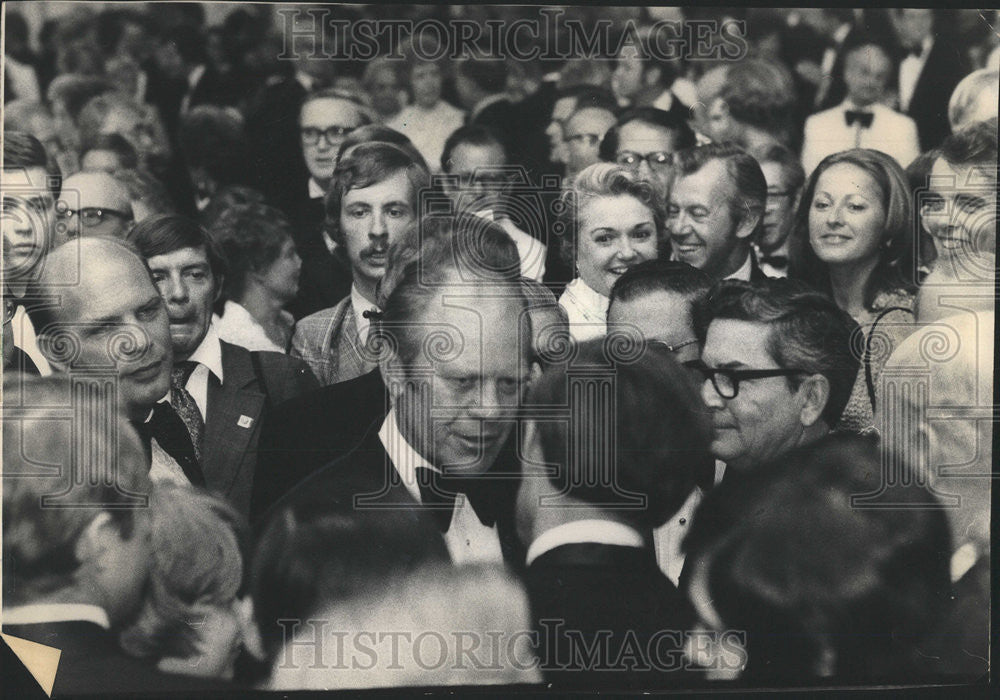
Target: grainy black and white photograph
{"points": [[507, 350]]}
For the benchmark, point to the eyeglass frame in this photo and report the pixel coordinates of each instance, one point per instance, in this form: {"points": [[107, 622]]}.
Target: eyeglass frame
{"points": [[645, 157], [316, 133], [65, 213], [736, 376], [590, 138]]}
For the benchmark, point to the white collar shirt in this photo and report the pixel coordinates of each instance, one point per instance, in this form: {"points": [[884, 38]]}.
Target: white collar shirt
{"points": [[44, 613], [591, 530]]}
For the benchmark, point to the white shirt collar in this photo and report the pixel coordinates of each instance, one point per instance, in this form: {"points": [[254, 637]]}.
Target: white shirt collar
{"points": [[743, 273], [360, 305], [590, 530], [962, 560], [209, 353], [591, 300], [316, 190], [402, 455], [55, 612], [195, 75]]}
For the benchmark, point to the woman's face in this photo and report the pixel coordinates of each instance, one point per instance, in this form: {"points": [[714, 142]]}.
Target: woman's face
{"points": [[846, 216], [425, 81], [614, 233], [282, 277]]}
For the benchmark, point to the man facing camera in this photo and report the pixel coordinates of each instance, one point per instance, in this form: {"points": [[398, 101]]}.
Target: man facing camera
{"points": [[716, 206], [220, 391]]}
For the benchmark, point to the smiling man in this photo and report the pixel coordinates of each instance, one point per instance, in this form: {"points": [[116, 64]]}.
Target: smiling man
{"points": [[717, 204], [218, 390], [372, 200]]}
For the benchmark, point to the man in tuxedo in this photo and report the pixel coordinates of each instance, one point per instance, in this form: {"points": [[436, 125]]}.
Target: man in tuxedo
{"points": [[74, 576], [222, 392], [784, 176], [326, 117], [456, 357], [716, 209], [778, 368], [861, 120], [930, 70], [591, 570]]}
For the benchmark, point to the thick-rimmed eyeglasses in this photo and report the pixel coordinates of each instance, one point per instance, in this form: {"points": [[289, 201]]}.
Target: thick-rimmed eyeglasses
{"points": [[91, 216], [726, 381], [675, 347], [656, 159], [310, 134]]}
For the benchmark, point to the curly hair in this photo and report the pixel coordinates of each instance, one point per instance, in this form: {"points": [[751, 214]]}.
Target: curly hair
{"points": [[597, 181]]}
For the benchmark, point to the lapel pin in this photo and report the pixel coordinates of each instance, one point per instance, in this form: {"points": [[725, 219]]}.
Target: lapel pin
{"points": [[245, 421]]}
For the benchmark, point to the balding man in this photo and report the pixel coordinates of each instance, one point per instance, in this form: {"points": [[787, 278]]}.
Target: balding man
{"points": [[92, 204], [582, 137], [110, 318]]}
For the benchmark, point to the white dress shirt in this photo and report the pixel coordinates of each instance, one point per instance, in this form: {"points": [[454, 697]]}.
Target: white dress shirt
{"points": [[910, 69], [744, 270], [586, 309], [428, 129], [239, 327], [26, 339], [208, 356], [827, 132], [467, 539], [594, 531], [359, 304]]}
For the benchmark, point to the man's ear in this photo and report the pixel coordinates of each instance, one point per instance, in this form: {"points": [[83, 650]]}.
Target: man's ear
{"points": [[815, 393], [220, 281], [748, 223], [96, 539]]}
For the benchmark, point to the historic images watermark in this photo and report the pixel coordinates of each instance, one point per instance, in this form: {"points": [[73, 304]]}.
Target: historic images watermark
{"points": [[552, 36]]}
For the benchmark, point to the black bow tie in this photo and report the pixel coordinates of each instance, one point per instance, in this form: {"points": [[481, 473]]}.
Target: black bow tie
{"points": [[915, 51], [775, 261], [439, 492], [862, 118]]}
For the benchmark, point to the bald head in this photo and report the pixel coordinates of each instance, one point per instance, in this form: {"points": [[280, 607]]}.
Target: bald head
{"points": [[110, 317], [93, 204]]}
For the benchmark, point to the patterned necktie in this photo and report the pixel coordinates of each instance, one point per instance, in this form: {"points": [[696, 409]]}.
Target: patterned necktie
{"points": [[184, 404], [172, 435]]}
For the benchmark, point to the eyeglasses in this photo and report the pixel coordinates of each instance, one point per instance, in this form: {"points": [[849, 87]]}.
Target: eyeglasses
{"points": [[310, 134], [726, 381], [590, 139], [90, 216], [656, 159], [673, 348]]}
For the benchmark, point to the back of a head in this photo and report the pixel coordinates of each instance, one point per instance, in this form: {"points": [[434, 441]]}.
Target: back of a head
{"points": [[46, 421], [973, 145], [808, 331], [427, 610], [471, 135], [821, 586], [760, 93], [661, 431], [317, 552], [662, 275], [379, 132], [974, 98]]}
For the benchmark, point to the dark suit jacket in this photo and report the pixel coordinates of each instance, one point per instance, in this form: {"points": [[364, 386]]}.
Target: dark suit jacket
{"points": [[309, 431], [369, 463], [946, 65], [325, 278], [92, 663], [252, 382], [597, 590]]}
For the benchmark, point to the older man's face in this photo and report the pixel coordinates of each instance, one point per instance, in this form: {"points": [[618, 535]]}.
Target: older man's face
{"points": [[92, 204], [185, 281], [478, 376]]}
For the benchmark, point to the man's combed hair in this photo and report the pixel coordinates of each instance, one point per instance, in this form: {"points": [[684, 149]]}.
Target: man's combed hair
{"points": [[760, 93], [683, 135], [808, 331], [22, 150], [369, 164], [472, 135], [160, 235], [661, 276], [750, 197], [976, 144]]}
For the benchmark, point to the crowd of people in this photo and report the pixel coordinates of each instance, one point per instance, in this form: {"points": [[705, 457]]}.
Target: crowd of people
{"points": [[615, 370]]}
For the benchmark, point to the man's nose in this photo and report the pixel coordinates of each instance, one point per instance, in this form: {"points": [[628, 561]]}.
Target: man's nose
{"points": [[710, 396], [644, 171], [177, 290], [487, 404], [379, 227]]}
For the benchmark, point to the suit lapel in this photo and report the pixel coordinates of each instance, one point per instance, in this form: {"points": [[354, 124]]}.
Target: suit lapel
{"points": [[234, 412]]}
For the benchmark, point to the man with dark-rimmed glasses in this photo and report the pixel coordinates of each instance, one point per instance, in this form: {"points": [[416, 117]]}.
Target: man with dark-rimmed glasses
{"points": [[92, 204], [778, 368]]}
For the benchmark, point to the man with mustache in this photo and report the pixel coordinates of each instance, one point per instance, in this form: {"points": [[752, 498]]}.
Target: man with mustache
{"points": [[372, 199], [222, 392], [717, 204]]}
